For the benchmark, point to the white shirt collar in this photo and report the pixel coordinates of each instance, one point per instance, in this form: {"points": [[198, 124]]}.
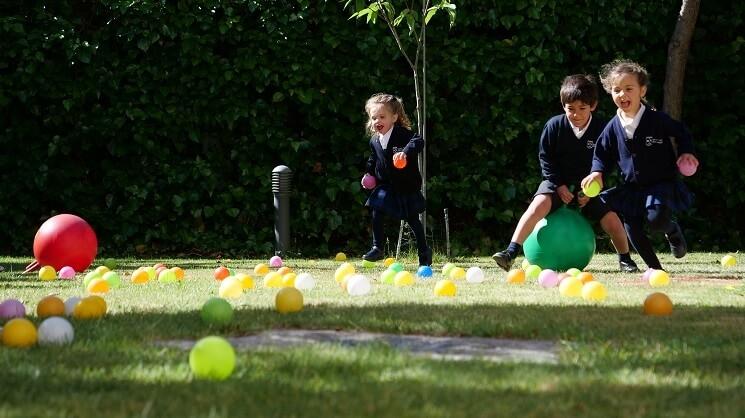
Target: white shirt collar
{"points": [[578, 132], [385, 138], [630, 124]]}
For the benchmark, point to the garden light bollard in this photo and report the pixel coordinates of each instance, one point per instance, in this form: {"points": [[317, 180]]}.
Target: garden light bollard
{"points": [[281, 188]]}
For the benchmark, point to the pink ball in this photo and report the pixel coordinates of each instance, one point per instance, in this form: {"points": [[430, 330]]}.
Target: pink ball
{"points": [[369, 182], [12, 308], [548, 278], [687, 168], [646, 274], [66, 272], [275, 261]]}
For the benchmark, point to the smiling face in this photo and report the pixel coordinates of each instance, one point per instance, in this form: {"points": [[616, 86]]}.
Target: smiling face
{"points": [[578, 113], [381, 118], [627, 93]]}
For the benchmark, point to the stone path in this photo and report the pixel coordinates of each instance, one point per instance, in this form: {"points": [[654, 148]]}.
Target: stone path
{"points": [[447, 348]]}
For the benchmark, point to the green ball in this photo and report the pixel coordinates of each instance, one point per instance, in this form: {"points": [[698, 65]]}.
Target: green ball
{"points": [[562, 240], [212, 358], [446, 269], [396, 267], [388, 275], [167, 276], [217, 311], [533, 271], [89, 277], [573, 271], [113, 279], [110, 263], [368, 264], [151, 272]]}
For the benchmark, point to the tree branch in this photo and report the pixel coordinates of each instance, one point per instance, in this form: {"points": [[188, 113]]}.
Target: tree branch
{"points": [[389, 22]]}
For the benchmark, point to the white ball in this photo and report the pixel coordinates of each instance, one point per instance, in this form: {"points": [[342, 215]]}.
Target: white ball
{"points": [[304, 281], [70, 305], [475, 275], [55, 331], [358, 285]]}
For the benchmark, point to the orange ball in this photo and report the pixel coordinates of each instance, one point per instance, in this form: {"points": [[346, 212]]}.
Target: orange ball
{"points": [[516, 276], [399, 162], [98, 286], [585, 277], [179, 272], [50, 306], [284, 270], [140, 276], [658, 304], [221, 273]]}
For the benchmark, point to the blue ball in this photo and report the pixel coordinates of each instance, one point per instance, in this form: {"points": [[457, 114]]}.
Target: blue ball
{"points": [[424, 272]]}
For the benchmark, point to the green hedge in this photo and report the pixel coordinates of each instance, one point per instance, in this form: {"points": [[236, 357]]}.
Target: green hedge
{"points": [[160, 122]]}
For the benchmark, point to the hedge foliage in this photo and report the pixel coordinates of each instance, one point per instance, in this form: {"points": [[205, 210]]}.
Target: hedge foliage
{"points": [[160, 121]]}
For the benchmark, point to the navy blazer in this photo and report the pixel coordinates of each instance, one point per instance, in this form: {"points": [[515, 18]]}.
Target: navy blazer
{"points": [[380, 162], [566, 160], [650, 157]]}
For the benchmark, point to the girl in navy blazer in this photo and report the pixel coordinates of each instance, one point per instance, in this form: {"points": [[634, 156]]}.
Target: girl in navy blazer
{"points": [[647, 146], [393, 163]]}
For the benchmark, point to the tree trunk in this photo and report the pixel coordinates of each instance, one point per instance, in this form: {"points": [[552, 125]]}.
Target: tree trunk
{"points": [[677, 54]]}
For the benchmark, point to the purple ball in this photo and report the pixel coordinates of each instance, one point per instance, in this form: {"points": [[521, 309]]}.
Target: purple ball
{"points": [[687, 168], [369, 182], [12, 308], [548, 278], [66, 272], [646, 274], [275, 261]]}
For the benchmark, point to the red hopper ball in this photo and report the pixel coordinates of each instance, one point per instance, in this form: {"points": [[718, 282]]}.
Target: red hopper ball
{"points": [[65, 240]]}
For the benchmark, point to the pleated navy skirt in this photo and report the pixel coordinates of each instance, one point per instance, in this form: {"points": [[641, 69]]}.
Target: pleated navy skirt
{"points": [[395, 204], [634, 200]]}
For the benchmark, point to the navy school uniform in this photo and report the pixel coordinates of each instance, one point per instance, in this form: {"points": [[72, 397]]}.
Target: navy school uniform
{"points": [[566, 160], [648, 164], [398, 191]]}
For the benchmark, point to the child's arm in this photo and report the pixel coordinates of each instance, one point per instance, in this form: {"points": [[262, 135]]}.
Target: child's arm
{"points": [[547, 156], [414, 147], [682, 141], [606, 152], [371, 161]]}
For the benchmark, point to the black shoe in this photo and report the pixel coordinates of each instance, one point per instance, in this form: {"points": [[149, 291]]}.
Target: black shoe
{"points": [[425, 257], [628, 266], [677, 241], [503, 260], [375, 254]]}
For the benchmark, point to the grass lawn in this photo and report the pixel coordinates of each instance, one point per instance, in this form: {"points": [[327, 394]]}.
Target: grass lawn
{"points": [[614, 361]]}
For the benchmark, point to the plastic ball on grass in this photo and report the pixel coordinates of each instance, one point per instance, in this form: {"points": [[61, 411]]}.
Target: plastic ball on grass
{"points": [[66, 272], [343, 271], [261, 269], [90, 276], [533, 271], [246, 281], [516, 276], [288, 300], [570, 287], [646, 274], [728, 261], [140, 276], [230, 288], [55, 331], [99, 303], [212, 358], [585, 277], [110, 263], [70, 304], [98, 285], [221, 273], [113, 279], [475, 275], [425, 272], [457, 273], [548, 278], [574, 271], [403, 278], [288, 280], [659, 278], [340, 257], [397, 267], [12, 308], [658, 304], [525, 264], [50, 306], [358, 285], [368, 264], [151, 272], [273, 280], [167, 276], [284, 270], [19, 333], [388, 261], [101, 270], [178, 272], [445, 288], [47, 273], [446, 269], [388, 276], [217, 311], [304, 281], [594, 292], [275, 261]]}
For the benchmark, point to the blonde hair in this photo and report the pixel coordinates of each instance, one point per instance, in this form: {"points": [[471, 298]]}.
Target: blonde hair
{"points": [[617, 68], [393, 103]]}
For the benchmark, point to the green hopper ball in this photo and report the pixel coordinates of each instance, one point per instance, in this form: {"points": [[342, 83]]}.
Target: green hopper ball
{"points": [[212, 358], [217, 311]]}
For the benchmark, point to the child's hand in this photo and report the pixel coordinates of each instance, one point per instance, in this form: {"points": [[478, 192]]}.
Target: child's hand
{"points": [[399, 160], [582, 199], [688, 159], [564, 194], [594, 176]]}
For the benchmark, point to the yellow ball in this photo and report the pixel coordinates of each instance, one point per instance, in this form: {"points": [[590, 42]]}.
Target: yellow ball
{"points": [[273, 280], [101, 270], [230, 288], [99, 303], [659, 278], [343, 271], [288, 300], [86, 309], [50, 306], [47, 273], [246, 281], [594, 291], [388, 261], [98, 285], [261, 269], [19, 333], [445, 288], [340, 257], [140, 276], [728, 261], [403, 278], [288, 280], [516, 276], [457, 273], [571, 287]]}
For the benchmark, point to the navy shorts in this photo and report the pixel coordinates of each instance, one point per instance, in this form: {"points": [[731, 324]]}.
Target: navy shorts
{"points": [[594, 210]]}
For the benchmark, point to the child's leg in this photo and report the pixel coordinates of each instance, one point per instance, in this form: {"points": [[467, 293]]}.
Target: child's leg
{"points": [[635, 229], [425, 255], [376, 252], [611, 224], [539, 208], [660, 220]]}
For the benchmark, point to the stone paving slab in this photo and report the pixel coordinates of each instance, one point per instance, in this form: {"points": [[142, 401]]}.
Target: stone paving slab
{"points": [[447, 348]]}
